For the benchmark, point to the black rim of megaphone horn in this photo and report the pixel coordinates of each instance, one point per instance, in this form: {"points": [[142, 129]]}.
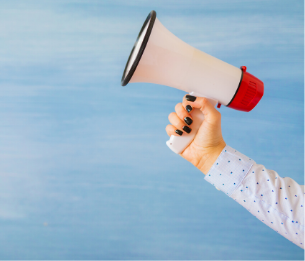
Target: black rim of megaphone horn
{"points": [[151, 20]]}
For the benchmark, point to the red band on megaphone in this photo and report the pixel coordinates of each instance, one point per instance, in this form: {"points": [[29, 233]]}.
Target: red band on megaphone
{"points": [[249, 93]]}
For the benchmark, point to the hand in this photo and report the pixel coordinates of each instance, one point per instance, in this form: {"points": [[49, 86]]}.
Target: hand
{"points": [[208, 142]]}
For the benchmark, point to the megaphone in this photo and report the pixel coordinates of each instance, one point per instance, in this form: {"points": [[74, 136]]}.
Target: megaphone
{"points": [[160, 57]]}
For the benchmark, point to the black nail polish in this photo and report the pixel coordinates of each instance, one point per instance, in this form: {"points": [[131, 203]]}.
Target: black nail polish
{"points": [[188, 108], [187, 129], [179, 132], [188, 120], [190, 98]]}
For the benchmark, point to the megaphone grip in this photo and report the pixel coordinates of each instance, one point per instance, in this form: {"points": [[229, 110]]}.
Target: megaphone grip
{"points": [[179, 144]]}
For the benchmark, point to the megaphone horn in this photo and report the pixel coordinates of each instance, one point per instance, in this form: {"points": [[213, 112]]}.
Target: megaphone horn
{"points": [[160, 57]]}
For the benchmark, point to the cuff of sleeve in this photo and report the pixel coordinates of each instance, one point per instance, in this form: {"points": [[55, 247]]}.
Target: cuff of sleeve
{"points": [[229, 170]]}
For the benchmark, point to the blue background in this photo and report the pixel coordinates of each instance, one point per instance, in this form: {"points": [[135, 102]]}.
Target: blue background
{"points": [[84, 169]]}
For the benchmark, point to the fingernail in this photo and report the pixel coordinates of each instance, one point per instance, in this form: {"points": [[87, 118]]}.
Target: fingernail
{"points": [[188, 120], [187, 129], [188, 108], [190, 98], [179, 132]]}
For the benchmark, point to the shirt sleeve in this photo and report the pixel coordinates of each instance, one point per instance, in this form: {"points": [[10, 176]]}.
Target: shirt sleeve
{"points": [[277, 202]]}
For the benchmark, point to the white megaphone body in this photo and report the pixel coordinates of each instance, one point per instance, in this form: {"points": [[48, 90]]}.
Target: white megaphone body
{"points": [[160, 57]]}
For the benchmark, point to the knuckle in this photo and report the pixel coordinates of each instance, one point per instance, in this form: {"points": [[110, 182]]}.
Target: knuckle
{"points": [[168, 129], [217, 115], [178, 107], [203, 102], [171, 115]]}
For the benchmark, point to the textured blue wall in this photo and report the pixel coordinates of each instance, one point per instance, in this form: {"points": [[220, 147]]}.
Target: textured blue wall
{"points": [[84, 169]]}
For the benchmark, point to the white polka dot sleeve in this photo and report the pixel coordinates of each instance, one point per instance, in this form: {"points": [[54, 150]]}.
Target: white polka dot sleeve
{"points": [[276, 201]]}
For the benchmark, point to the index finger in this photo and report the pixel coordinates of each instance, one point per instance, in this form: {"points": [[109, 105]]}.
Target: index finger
{"points": [[201, 103]]}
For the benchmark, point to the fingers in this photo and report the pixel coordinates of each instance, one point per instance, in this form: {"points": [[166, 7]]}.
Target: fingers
{"points": [[183, 114], [209, 111], [179, 126], [172, 130], [181, 120]]}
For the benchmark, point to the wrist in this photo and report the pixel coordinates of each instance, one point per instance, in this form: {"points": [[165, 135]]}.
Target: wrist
{"points": [[210, 157]]}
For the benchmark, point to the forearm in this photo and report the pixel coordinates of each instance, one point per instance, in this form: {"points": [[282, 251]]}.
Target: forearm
{"points": [[276, 201]]}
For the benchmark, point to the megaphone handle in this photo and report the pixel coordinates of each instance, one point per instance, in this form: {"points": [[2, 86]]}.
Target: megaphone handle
{"points": [[178, 144]]}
